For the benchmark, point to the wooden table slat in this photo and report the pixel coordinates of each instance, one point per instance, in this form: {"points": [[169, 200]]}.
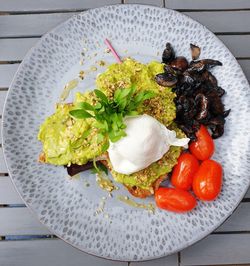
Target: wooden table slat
{"points": [[237, 44], [3, 168], [171, 260], [15, 49], [2, 99], [30, 25], [51, 5], [239, 220], [55, 5], [56, 252], [207, 4], [0, 130], [47, 252], [7, 72], [8, 193], [245, 64], [248, 194], [231, 21], [218, 249], [20, 221], [145, 2], [38, 24]]}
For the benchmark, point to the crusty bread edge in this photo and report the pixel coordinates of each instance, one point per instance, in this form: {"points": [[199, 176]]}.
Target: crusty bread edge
{"points": [[42, 157], [141, 192], [134, 190]]}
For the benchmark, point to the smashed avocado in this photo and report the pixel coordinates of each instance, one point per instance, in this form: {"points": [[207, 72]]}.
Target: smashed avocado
{"points": [[146, 177], [67, 140], [132, 72]]}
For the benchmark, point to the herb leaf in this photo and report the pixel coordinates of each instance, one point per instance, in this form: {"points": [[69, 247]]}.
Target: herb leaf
{"points": [[99, 167], [85, 105], [105, 146], [109, 113], [101, 96], [80, 113]]}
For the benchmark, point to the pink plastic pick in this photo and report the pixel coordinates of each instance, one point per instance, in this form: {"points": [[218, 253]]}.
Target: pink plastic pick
{"points": [[107, 42]]}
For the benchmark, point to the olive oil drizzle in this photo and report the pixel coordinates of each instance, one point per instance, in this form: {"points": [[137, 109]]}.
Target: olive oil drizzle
{"points": [[149, 207], [67, 88]]}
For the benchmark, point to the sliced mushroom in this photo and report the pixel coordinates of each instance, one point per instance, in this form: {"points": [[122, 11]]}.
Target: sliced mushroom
{"points": [[226, 113], [195, 51], [217, 131], [216, 105], [166, 80], [169, 70], [179, 63], [202, 103], [186, 105], [188, 78], [215, 121], [168, 54], [188, 131], [207, 76], [220, 91], [201, 65], [198, 96], [191, 79]]}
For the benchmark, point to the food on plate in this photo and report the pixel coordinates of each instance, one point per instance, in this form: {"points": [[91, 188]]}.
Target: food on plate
{"points": [[74, 169], [183, 172], [146, 142], [198, 95], [203, 147], [144, 182], [173, 199], [69, 140], [207, 181], [137, 123], [195, 51]]}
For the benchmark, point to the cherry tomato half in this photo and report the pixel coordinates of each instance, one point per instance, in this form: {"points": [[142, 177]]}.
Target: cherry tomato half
{"points": [[208, 180], [203, 147], [183, 173], [175, 200]]}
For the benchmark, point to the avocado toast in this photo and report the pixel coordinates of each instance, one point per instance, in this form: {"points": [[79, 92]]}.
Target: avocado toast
{"points": [[68, 140]]}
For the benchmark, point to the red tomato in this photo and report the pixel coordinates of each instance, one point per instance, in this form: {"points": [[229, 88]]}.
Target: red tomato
{"points": [[203, 147], [208, 180], [183, 173], [173, 199]]}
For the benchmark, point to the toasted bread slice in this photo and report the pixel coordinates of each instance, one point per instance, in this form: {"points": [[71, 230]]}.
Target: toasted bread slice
{"points": [[134, 190], [141, 192], [42, 157]]}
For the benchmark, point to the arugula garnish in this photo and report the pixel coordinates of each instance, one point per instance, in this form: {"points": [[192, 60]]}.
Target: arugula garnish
{"points": [[109, 113], [98, 168]]}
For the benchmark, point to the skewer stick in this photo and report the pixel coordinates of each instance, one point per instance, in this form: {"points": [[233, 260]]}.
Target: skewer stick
{"points": [[107, 42]]}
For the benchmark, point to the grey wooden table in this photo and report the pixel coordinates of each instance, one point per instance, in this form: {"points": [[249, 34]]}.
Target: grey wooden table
{"points": [[23, 240]]}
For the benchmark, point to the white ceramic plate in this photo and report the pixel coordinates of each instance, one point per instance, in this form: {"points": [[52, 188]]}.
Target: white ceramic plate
{"points": [[66, 206]]}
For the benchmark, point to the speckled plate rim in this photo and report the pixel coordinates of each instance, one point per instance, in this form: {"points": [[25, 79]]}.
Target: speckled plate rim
{"points": [[199, 237]]}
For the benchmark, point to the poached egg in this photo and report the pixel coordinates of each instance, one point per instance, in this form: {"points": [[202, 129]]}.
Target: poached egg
{"points": [[146, 141]]}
